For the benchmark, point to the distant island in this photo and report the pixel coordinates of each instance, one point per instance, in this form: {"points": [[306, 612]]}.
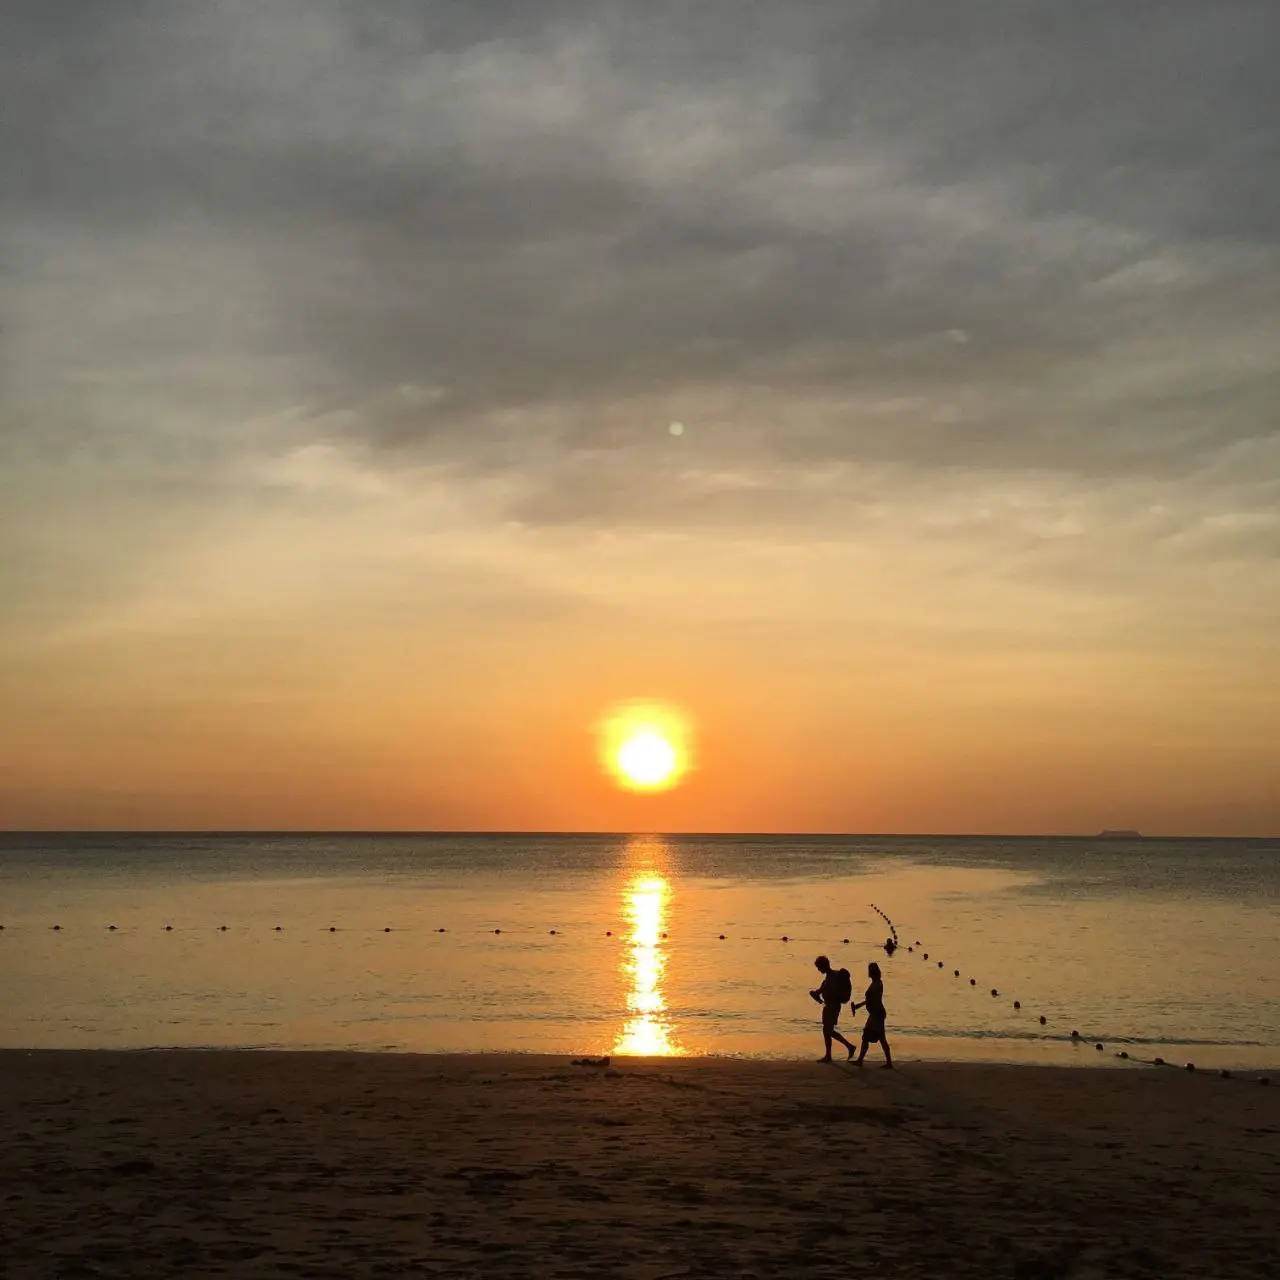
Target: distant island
{"points": [[1119, 835]]}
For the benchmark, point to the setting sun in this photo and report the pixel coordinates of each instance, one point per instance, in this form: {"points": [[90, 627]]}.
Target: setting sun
{"points": [[645, 746]]}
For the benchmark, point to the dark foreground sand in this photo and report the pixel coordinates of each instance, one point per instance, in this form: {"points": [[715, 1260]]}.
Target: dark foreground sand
{"points": [[248, 1164]]}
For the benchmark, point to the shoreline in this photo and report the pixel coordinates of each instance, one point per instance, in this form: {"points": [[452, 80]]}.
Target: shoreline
{"points": [[285, 1162]]}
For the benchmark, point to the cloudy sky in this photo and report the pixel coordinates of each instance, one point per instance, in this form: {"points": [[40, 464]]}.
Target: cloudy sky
{"points": [[341, 344]]}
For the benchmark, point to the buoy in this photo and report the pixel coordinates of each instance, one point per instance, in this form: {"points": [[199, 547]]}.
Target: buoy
{"points": [[1043, 1019], [1075, 1035], [973, 982], [1017, 1004]]}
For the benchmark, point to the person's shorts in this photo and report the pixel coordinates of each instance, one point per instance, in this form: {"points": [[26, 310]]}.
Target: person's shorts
{"points": [[830, 1015]]}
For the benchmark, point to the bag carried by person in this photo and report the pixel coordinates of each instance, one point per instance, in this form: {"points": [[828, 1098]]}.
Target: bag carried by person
{"points": [[844, 985]]}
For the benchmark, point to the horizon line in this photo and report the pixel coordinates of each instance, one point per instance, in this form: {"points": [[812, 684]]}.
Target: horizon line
{"points": [[1114, 835]]}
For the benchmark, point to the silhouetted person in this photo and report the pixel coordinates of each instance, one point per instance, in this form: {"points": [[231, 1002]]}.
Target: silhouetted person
{"points": [[874, 1005], [833, 992]]}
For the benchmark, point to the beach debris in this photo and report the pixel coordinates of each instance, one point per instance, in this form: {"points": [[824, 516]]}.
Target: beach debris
{"points": [[926, 955], [497, 931], [279, 928], [722, 937], [845, 941], [222, 928], [1075, 1035], [1098, 1046], [1043, 1020], [994, 991], [911, 948], [958, 973], [590, 1062], [387, 929], [608, 933], [785, 938], [57, 928], [552, 932], [939, 964], [333, 928], [1017, 1004], [168, 928], [441, 930], [111, 928], [973, 982]]}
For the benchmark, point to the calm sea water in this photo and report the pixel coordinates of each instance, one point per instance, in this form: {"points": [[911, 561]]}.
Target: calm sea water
{"points": [[576, 944]]}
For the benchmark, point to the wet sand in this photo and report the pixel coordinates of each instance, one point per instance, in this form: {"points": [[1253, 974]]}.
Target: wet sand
{"points": [[304, 1164]]}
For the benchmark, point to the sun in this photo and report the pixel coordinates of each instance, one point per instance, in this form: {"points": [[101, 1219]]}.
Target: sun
{"points": [[645, 746]]}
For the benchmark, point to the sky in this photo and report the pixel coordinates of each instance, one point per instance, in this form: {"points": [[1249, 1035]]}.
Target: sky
{"points": [[341, 347]]}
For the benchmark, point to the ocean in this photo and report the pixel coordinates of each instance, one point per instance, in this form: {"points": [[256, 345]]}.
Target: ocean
{"points": [[641, 944]]}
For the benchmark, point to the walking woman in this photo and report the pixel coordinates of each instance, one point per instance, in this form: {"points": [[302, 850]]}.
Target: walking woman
{"points": [[873, 1003]]}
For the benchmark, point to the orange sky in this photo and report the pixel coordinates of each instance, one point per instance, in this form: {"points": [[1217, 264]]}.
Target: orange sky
{"points": [[341, 357]]}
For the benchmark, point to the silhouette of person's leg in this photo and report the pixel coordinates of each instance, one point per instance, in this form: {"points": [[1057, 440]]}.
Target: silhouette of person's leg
{"points": [[835, 1035], [888, 1057]]}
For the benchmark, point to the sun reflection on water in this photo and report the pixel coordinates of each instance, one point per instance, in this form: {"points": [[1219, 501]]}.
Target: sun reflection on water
{"points": [[647, 1030]]}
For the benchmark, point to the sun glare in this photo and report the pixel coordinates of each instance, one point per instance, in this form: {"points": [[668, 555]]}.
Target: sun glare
{"points": [[645, 746]]}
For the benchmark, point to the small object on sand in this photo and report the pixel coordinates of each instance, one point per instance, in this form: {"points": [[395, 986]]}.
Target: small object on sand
{"points": [[552, 932], [958, 974], [111, 928], [222, 928], [1043, 1019], [608, 933], [926, 955], [664, 935], [973, 982], [168, 928], [785, 938], [1225, 1074], [1017, 1004], [1159, 1062], [911, 948], [722, 937], [57, 928], [1123, 1054], [1191, 1066], [1098, 1046], [387, 929], [333, 928], [497, 931], [590, 1062], [845, 941], [939, 964], [1075, 1035], [439, 930], [1264, 1079], [279, 928], [994, 992]]}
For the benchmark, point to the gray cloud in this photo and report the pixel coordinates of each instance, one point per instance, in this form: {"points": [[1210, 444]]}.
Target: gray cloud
{"points": [[519, 239]]}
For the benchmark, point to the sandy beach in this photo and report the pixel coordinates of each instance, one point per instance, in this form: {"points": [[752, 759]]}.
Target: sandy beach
{"points": [[309, 1164]]}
